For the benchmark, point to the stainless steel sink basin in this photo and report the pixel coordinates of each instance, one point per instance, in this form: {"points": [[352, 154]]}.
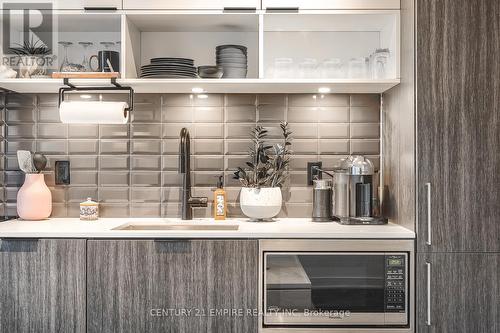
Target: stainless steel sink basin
{"points": [[198, 227]]}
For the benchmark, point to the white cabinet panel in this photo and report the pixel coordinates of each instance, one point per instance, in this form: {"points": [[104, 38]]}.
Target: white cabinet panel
{"points": [[80, 4], [190, 4], [331, 4]]}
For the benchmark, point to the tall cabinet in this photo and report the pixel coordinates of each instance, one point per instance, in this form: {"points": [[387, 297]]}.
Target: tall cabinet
{"points": [[458, 165]]}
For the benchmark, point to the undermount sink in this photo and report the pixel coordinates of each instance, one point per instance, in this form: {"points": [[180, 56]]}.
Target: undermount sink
{"points": [[198, 227]]}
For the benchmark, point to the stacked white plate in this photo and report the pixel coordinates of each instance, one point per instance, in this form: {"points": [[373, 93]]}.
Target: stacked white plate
{"points": [[169, 68], [233, 59]]}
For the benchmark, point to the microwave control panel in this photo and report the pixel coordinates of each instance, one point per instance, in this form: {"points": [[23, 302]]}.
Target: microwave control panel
{"points": [[395, 283]]}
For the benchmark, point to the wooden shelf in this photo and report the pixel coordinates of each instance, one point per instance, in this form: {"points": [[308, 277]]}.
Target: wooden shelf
{"points": [[261, 86]]}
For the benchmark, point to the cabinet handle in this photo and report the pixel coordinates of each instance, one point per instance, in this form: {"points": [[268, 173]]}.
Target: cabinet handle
{"points": [[240, 9], [282, 9], [429, 214], [100, 8], [428, 319]]}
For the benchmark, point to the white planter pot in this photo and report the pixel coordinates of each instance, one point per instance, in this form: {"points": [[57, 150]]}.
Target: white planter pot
{"points": [[261, 203]]}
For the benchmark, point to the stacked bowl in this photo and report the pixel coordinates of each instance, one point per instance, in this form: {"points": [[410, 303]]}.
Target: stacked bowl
{"points": [[233, 60]]}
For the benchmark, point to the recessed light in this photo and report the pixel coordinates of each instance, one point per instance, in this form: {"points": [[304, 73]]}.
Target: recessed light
{"points": [[85, 96], [324, 90], [203, 96], [197, 90]]}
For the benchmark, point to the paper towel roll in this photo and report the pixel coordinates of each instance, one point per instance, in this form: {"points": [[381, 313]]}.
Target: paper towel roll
{"points": [[76, 112]]}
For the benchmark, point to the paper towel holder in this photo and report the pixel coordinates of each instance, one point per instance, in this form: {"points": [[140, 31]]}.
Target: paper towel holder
{"points": [[116, 86]]}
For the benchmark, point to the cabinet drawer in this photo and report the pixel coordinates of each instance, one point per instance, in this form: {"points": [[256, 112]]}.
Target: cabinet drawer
{"points": [[81, 4]]}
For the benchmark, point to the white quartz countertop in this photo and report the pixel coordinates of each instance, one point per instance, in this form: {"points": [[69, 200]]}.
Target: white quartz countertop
{"points": [[281, 228]]}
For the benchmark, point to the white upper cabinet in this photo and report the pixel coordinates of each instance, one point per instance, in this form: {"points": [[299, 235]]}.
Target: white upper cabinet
{"points": [[191, 4], [330, 4], [89, 4]]}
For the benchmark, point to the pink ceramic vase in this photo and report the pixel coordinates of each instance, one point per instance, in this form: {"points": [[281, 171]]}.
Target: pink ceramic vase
{"points": [[34, 200]]}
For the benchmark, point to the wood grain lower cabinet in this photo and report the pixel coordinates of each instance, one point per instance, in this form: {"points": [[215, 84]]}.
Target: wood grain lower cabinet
{"points": [[42, 286], [464, 293], [172, 286]]}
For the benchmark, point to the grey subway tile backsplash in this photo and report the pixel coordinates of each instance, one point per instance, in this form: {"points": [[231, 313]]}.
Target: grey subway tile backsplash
{"points": [[132, 169]]}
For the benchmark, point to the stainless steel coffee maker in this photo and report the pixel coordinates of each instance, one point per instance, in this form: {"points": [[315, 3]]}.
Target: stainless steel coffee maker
{"points": [[356, 199]]}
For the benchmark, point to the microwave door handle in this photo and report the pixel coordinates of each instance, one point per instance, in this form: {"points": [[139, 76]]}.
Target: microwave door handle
{"points": [[429, 214], [428, 319]]}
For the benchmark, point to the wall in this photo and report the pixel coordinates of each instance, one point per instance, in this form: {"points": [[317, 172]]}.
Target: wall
{"points": [[132, 169]]}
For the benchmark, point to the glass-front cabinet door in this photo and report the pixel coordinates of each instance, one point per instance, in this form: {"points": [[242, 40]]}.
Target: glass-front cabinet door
{"points": [[307, 288], [192, 4]]}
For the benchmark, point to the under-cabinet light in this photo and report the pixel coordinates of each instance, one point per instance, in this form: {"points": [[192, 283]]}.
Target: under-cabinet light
{"points": [[203, 96], [197, 90], [85, 96], [324, 90]]}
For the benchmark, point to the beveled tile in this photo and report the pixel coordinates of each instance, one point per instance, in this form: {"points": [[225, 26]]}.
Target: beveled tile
{"points": [[304, 131], [52, 131], [299, 195], [143, 178], [208, 147], [209, 131], [80, 194], [147, 108], [52, 147], [81, 147], [205, 178], [20, 131], [114, 162], [171, 178], [331, 146], [171, 210], [209, 163], [334, 131], [145, 210], [20, 115], [271, 113], [211, 100], [276, 99], [333, 114], [365, 147], [239, 131], [170, 162], [331, 161], [146, 194], [298, 210], [46, 114], [302, 114], [148, 147], [299, 162], [84, 178], [152, 131], [170, 146], [83, 131], [241, 114], [361, 114], [146, 162], [365, 131], [59, 210], [372, 100], [177, 99], [305, 146], [177, 114], [114, 194], [13, 146], [83, 162], [113, 210], [173, 131], [233, 162], [118, 147], [171, 194], [113, 131], [115, 178], [208, 114]]}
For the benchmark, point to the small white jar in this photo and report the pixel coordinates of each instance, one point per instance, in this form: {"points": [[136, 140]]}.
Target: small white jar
{"points": [[89, 210]]}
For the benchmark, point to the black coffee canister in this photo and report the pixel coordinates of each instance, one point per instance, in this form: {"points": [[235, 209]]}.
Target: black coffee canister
{"points": [[322, 201]]}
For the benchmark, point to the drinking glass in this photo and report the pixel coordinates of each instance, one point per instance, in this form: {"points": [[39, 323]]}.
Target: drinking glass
{"points": [[308, 68], [357, 68], [282, 68], [65, 62], [379, 61], [332, 69], [86, 62]]}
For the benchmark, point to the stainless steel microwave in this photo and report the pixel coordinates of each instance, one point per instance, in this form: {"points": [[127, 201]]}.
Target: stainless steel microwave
{"points": [[336, 284]]}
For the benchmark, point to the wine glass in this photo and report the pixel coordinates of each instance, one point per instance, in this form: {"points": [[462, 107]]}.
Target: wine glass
{"points": [[86, 62], [107, 45], [65, 62]]}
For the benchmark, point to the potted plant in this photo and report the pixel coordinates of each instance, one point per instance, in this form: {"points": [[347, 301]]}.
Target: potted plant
{"points": [[264, 175], [32, 58]]}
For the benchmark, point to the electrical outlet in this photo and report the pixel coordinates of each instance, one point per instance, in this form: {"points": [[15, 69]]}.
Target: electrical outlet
{"points": [[62, 173], [313, 172]]}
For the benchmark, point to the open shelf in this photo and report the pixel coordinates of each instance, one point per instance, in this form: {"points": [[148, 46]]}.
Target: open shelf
{"points": [[262, 86], [188, 35]]}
